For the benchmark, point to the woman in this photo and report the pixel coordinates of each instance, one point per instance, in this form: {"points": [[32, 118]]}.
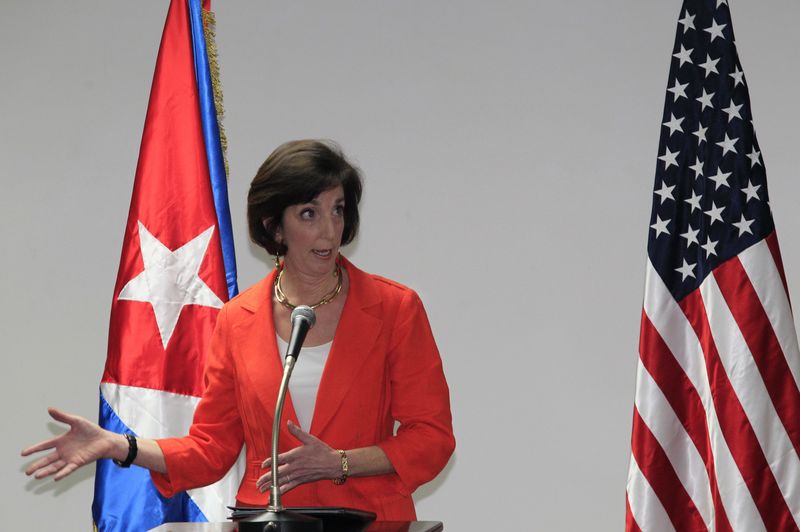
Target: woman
{"points": [[372, 337]]}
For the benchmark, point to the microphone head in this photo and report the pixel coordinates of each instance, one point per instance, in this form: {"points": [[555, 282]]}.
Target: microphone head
{"points": [[306, 313]]}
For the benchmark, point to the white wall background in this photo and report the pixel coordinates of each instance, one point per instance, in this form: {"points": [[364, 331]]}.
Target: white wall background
{"points": [[509, 151]]}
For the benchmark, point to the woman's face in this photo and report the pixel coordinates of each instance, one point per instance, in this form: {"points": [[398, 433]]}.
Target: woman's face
{"points": [[312, 232]]}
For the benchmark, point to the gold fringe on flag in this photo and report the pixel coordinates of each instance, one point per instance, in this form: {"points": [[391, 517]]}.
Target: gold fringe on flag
{"points": [[209, 25]]}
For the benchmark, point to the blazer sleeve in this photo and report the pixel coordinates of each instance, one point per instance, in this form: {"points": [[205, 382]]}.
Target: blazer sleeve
{"points": [[216, 435], [420, 399]]}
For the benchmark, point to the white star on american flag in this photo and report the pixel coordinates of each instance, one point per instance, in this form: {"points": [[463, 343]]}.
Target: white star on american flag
{"points": [[720, 179], [700, 133], [691, 236], [669, 158], [727, 145], [674, 124], [733, 111], [694, 201], [743, 225], [710, 247], [665, 192], [687, 21], [660, 226], [715, 30], [751, 191], [687, 270], [754, 156], [698, 168], [738, 77], [705, 100], [684, 56], [710, 65], [679, 90], [715, 213]]}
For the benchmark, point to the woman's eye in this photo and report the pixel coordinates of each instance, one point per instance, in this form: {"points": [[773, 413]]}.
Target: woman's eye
{"points": [[307, 214], [339, 210]]}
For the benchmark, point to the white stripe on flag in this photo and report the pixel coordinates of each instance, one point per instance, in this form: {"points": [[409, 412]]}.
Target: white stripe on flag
{"points": [[659, 417], [157, 414], [646, 509], [752, 393], [151, 413], [676, 331], [760, 267], [739, 505]]}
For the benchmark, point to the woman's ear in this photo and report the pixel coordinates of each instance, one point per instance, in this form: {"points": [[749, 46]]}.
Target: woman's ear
{"points": [[277, 234]]}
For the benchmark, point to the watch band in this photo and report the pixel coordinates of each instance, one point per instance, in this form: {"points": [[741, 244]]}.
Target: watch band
{"points": [[133, 450], [345, 469]]}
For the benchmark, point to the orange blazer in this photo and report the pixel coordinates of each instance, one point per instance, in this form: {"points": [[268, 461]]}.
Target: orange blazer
{"points": [[383, 367]]}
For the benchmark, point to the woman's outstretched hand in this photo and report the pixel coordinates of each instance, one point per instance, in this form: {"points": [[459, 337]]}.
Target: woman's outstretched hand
{"points": [[84, 443], [313, 460]]}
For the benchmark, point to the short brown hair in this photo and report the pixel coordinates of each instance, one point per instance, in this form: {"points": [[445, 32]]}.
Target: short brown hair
{"points": [[297, 172]]}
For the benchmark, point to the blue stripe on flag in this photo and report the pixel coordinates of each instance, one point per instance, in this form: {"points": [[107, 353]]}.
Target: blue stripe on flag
{"points": [[216, 162], [126, 499]]}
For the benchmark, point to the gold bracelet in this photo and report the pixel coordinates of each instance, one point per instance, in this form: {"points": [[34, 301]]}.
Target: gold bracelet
{"points": [[345, 469]]}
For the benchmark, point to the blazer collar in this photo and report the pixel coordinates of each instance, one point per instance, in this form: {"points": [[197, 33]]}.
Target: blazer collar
{"points": [[358, 329], [258, 353], [356, 333]]}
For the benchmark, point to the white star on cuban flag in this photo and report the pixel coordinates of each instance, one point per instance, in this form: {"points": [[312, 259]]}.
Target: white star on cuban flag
{"points": [[169, 280]]}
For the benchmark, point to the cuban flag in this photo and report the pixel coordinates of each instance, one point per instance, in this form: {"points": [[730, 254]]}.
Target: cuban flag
{"points": [[176, 271]]}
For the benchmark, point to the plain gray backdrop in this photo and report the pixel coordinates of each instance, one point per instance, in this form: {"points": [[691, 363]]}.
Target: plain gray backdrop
{"points": [[509, 150]]}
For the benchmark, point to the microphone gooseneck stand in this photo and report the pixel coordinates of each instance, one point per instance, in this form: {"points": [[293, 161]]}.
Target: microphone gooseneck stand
{"points": [[276, 518]]}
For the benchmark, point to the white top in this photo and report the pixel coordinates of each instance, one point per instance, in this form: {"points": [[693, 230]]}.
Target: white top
{"points": [[305, 379]]}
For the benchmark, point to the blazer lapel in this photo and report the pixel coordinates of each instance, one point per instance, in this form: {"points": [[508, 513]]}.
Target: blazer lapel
{"points": [[259, 354], [356, 333]]}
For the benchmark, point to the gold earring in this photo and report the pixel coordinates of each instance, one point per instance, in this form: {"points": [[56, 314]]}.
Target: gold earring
{"points": [[277, 261]]}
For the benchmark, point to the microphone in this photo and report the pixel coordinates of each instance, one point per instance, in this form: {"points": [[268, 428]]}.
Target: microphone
{"points": [[303, 319], [276, 517]]}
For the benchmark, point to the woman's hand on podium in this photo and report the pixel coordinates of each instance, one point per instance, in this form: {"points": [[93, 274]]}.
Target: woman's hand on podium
{"points": [[84, 443], [311, 461]]}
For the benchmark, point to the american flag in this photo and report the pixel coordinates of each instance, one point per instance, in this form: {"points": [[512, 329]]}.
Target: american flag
{"points": [[716, 424]]}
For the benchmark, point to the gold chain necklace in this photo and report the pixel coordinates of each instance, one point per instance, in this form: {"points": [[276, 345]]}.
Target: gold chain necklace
{"points": [[330, 296]]}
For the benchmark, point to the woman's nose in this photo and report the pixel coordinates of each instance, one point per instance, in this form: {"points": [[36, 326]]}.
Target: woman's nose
{"points": [[328, 227]]}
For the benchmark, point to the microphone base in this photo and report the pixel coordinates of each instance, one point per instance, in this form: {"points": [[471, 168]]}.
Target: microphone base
{"points": [[282, 521]]}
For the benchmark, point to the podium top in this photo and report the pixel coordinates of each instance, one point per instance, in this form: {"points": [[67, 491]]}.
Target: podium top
{"points": [[376, 526]]}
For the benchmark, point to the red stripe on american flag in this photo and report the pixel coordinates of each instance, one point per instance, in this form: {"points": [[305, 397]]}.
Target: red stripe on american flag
{"points": [[658, 471], [752, 319], [774, 249], [721, 521], [630, 522], [736, 428], [685, 402], [676, 386]]}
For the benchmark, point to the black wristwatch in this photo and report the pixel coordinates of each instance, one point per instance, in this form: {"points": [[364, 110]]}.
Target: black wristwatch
{"points": [[133, 450]]}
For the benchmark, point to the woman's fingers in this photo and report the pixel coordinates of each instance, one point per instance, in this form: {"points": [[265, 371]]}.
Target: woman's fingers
{"points": [[264, 482], [66, 470], [283, 488], [304, 437], [41, 462], [60, 416], [63, 417], [268, 461], [283, 458], [82, 443], [299, 465], [50, 469], [41, 446]]}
